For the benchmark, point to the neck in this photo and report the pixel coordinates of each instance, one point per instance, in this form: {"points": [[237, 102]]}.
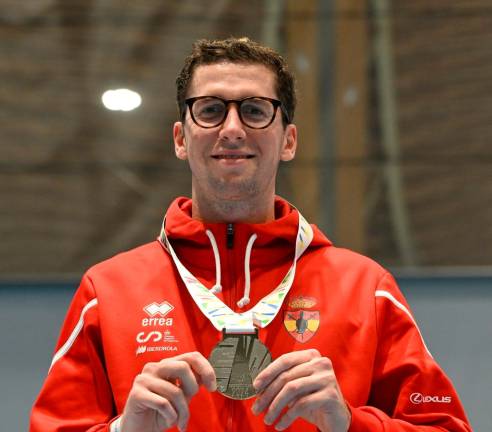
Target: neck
{"points": [[248, 211]]}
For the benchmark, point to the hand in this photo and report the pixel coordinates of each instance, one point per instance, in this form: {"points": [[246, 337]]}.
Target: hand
{"points": [[159, 397], [303, 382]]}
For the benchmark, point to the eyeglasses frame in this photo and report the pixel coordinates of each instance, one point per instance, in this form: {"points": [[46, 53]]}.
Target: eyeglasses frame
{"points": [[275, 102]]}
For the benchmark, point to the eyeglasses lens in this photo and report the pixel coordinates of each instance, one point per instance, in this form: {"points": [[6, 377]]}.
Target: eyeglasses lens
{"points": [[254, 112]]}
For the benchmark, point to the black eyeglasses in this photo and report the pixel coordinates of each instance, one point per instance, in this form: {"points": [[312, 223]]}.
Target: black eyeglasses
{"points": [[255, 112]]}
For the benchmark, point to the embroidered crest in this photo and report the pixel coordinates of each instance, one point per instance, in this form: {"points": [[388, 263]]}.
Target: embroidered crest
{"points": [[301, 324], [302, 302]]}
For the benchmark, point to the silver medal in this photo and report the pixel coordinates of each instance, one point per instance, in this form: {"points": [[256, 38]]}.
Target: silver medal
{"points": [[237, 359]]}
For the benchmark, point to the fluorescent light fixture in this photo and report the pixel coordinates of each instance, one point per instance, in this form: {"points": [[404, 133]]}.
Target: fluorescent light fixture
{"points": [[121, 100]]}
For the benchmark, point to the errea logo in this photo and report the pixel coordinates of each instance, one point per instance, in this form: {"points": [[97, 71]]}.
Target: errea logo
{"points": [[158, 309], [156, 315]]}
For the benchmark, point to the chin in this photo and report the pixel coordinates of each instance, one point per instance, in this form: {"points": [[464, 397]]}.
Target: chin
{"points": [[236, 190]]}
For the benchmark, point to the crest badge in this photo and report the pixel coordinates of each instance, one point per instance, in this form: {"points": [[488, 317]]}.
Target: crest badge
{"points": [[301, 321]]}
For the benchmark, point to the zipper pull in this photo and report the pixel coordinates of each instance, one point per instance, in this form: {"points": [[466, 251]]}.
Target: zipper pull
{"points": [[230, 235]]}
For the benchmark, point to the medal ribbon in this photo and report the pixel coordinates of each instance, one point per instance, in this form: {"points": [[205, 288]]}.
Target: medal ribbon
{"points": [[262, 314]]}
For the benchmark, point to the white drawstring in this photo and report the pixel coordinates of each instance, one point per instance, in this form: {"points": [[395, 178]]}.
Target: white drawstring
{"points": [[247, 276], [217, 288]]}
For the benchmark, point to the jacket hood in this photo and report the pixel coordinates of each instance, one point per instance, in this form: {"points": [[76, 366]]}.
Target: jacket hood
{"points": [[180, 226], [237, 254]]}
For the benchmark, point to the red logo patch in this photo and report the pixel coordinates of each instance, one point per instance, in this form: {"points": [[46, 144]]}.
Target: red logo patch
{"points": [[301, 324]]}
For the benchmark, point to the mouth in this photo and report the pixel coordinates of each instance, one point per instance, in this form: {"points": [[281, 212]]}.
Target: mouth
{"points": [[232, 156]]}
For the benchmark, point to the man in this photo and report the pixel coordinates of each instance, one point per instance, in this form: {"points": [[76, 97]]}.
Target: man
{"points": [[241, 317]]}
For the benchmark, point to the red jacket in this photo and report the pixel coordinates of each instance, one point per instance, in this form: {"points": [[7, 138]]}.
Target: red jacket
{"points": [[134, 308]]}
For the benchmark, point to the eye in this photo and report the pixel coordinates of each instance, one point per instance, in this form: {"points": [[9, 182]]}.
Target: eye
{"points": [[212, 108], [255, 109], [208, 108]]}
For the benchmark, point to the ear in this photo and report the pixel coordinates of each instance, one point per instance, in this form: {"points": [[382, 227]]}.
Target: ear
{"points": [[179, 141], [289, 144]]}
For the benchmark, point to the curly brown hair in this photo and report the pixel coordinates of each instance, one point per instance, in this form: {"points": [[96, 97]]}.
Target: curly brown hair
{"points": [[238, 50]]}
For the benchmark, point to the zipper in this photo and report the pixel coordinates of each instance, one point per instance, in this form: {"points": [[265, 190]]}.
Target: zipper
{"points": [[230, 426], [232, 261], [230, 268], [230, 236], [231, 278]]}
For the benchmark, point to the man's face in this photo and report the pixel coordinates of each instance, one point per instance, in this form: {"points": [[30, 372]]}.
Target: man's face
{"points": [[232, 161]]}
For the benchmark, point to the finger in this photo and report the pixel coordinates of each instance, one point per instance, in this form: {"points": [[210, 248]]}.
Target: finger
{"points": [[273, 388], [188, 371], [300, 408], [202, 368], [167, 415], [290, 393], [171, 395], [180, 374], [281, 364]]}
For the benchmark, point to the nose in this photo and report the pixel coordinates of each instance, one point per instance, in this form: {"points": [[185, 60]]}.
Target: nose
{"points": [[232, 128]]}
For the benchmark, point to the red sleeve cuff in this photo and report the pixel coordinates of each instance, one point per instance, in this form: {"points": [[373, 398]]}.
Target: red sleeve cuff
{"points": [[363, 420]]}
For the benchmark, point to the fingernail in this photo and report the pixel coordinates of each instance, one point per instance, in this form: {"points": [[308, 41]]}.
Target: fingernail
{"points": [[257, 385], [256, 408], [211, 385]]}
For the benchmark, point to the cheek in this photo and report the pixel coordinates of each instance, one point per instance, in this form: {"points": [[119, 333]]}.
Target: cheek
{"points": [[199, 146], [200, 139]]}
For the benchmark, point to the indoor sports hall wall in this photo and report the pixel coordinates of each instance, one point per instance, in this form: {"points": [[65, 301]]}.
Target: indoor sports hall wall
{"points": [[395, 102]]}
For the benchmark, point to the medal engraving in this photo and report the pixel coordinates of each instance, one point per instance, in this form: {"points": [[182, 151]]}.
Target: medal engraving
{"points": [[237, 360]]}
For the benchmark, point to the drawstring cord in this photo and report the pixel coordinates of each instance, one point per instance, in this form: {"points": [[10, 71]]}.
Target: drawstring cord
{"points": [[247, 273], [217, 288]]}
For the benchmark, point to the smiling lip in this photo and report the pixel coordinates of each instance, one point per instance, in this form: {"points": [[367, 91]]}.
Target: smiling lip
{"points": [[232, 156]]}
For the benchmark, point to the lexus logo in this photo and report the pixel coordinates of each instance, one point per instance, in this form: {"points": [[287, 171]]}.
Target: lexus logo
{"points": [[419, 398]]}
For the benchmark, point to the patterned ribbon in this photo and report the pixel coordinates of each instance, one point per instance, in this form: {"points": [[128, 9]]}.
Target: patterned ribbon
{"points": [[263, 313]]}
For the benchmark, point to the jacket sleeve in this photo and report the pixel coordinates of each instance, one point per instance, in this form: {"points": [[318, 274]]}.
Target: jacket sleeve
{"points": [[76, 395], [409, 389]]}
